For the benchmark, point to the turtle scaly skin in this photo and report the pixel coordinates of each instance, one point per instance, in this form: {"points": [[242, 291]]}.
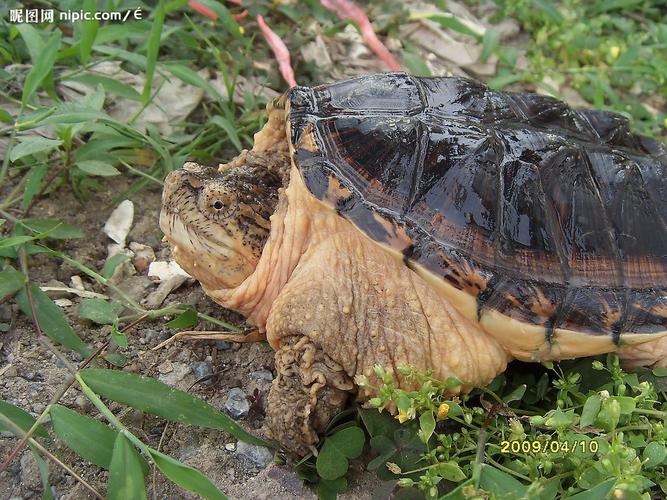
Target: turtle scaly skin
{"points": [[431, 222]]}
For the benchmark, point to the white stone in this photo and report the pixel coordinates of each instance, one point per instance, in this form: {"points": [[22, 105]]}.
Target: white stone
{"points": [[163, 270], [119, 222]]}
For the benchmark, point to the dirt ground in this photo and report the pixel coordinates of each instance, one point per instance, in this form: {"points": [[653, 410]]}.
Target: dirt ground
{"points": [[30, 375]]}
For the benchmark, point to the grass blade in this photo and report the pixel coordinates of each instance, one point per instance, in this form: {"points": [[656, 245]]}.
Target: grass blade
{"points": [[21, 418], [88, 32], [97, 167], [87, 437], [228, 127], [51, 228], [41, 66], [51, 319], [33, 184], [11, 282], [225, 17], [152, 50], [185, 476], [99, 311], [599, 491], [151, 396], [550, 10], [193, 78], [489, 44], [33, 40], [109, 84], [33, 145], [415, 63], [186, 319], [501, 483], [112, 263], [43, 473], [126, 479], [13, 241], [448, 20]]}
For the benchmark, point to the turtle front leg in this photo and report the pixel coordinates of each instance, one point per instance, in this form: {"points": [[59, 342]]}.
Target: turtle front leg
{"points": [[348, 306], [309, 390]]}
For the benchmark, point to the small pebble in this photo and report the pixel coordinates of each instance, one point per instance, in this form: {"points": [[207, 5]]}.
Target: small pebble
{"points": [[178, 373], [230, 446], [150, 334], [223, 345], [165, 367], [165, 335], [262, 375], [143, 256], [258, 455], [237, 404], [153, 242], [77, 282], [202, 369], [82, 402]]}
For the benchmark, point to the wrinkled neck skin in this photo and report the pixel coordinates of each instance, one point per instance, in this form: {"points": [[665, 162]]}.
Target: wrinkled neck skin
{"points": [[298, 223]]}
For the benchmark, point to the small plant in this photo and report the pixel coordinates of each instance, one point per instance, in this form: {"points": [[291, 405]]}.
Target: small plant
{"points": [[527, 435], [612, 53]]}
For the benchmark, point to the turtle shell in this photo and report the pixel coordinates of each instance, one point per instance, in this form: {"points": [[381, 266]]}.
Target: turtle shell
{"points": [[549, 215]]}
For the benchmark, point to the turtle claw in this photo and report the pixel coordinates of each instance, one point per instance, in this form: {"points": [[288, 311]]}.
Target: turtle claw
{"points": [[252, 336]]}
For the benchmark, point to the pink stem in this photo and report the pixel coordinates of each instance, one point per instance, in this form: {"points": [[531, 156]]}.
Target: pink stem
{"points": [[279, 51], [238, 17], [202, 9], [346, 9]]}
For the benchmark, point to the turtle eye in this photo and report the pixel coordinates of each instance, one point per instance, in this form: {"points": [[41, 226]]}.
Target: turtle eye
{"points": [[218, 205]]}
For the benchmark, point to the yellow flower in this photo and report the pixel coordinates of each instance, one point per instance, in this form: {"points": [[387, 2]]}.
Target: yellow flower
{"points": [[402, 416], [443, 411], [241, 30], [393, 468], [615, 51]]}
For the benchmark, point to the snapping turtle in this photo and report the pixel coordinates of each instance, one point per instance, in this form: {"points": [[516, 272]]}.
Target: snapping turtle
{"points": [[427, 221]]}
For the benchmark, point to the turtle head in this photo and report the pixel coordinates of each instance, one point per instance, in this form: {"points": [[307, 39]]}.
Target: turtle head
{"points": [[218, 221]]}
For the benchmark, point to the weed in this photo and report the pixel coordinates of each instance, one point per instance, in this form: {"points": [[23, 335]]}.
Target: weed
{"points": [[543, 434]]}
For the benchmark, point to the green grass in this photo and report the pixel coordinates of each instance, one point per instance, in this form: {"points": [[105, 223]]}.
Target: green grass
{"points": [[612, 52]]}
